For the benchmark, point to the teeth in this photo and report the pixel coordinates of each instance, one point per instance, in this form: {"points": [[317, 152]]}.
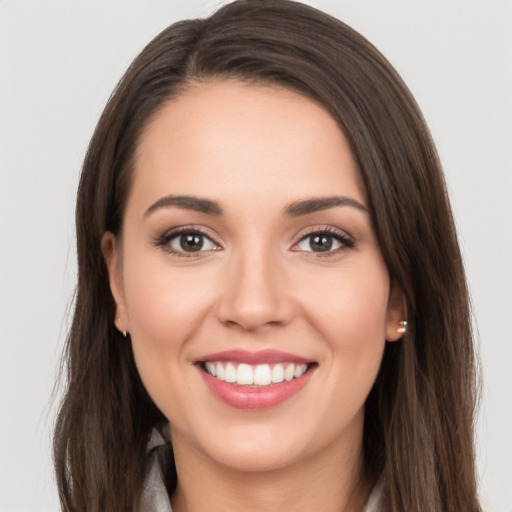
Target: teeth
{"points": [[299, 370], [230, 373], [220, 371], [244, 375], [289, 372], [211, 368], [278, 373], [258, 375], [262, 375]]}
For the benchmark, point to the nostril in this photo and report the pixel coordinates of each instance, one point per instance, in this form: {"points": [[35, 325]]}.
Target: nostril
{"points": [[253, 312], [253, 292]]}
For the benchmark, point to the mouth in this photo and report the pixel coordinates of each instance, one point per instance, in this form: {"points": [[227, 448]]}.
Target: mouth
{"points": [[260, 375], [255, 380]]}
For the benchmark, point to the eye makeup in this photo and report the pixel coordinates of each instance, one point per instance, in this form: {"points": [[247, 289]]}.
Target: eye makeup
{"points": [[195, 241]]}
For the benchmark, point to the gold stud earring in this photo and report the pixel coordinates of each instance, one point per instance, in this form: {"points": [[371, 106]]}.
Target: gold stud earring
{"points": [[403, 327]]}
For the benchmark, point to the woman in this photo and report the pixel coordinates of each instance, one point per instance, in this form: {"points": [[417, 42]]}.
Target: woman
{"points": [[271, 309]]}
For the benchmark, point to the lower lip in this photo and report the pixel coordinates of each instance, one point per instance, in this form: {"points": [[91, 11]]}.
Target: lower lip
{"points": [[245, 397]]}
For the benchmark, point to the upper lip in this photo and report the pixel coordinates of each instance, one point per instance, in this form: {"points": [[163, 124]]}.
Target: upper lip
{"points": [[268, 356]]}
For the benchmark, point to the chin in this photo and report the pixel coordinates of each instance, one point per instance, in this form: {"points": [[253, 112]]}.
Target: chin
{"points": [[255, 457], [254, 448]]}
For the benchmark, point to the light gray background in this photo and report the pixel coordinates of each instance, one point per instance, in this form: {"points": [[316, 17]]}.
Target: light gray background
{"points": [[58, 63]]}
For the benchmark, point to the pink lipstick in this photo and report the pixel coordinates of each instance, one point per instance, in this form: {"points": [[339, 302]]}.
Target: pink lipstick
{"points": [[254, 380]]}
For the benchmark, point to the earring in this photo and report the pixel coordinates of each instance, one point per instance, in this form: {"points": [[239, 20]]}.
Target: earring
{"points": [[124, 333], [403, 327]]}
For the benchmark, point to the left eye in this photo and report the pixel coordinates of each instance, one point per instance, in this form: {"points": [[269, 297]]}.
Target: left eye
{"points": [[321, 242], [191, 242]]}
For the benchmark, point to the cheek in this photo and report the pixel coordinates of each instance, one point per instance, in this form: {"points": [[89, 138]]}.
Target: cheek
{"points": [[165, 305], [350, 306], [350, 313], [165, 309]]}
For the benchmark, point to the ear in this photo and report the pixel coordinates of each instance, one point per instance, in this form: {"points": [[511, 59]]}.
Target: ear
{"points": [[111, 250], [396, 313]]}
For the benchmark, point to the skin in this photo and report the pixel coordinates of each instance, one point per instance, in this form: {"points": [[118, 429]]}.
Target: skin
{"points": [[254, 150]]}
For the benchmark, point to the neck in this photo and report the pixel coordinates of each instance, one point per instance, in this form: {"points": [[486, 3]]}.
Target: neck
{"points": [[325, 482]]}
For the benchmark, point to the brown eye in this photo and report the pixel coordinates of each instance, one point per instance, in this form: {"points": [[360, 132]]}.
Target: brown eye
{"points": [[191, 242], [321, 243], [324, 242]]}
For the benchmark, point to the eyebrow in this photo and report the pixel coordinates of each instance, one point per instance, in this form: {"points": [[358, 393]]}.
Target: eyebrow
{"points": [[295, 209], [188, 202], [316, 204]]}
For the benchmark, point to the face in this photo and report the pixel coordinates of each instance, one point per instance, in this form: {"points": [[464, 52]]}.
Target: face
{"points": [[250, 279]]}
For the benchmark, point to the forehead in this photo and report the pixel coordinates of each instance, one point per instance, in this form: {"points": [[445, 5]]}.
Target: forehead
{"points": [[225, 138]]}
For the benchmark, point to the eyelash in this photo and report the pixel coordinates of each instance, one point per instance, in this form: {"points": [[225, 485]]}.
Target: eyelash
{"points": [[344, 240], [164, 241]]}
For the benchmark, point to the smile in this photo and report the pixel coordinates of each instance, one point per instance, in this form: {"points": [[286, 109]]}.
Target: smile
{"points": [[254, 375], [254, 380]]}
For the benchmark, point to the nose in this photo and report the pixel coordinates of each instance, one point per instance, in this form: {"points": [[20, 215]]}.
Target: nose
{"points": [[254, 293]]}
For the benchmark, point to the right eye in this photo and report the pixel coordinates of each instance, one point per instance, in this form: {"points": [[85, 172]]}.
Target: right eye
{"points": [[186, 241], [192, 241]]}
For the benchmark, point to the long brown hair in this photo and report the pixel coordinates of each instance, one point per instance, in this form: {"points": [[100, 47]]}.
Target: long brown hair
{"points": [[418, 433]]}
